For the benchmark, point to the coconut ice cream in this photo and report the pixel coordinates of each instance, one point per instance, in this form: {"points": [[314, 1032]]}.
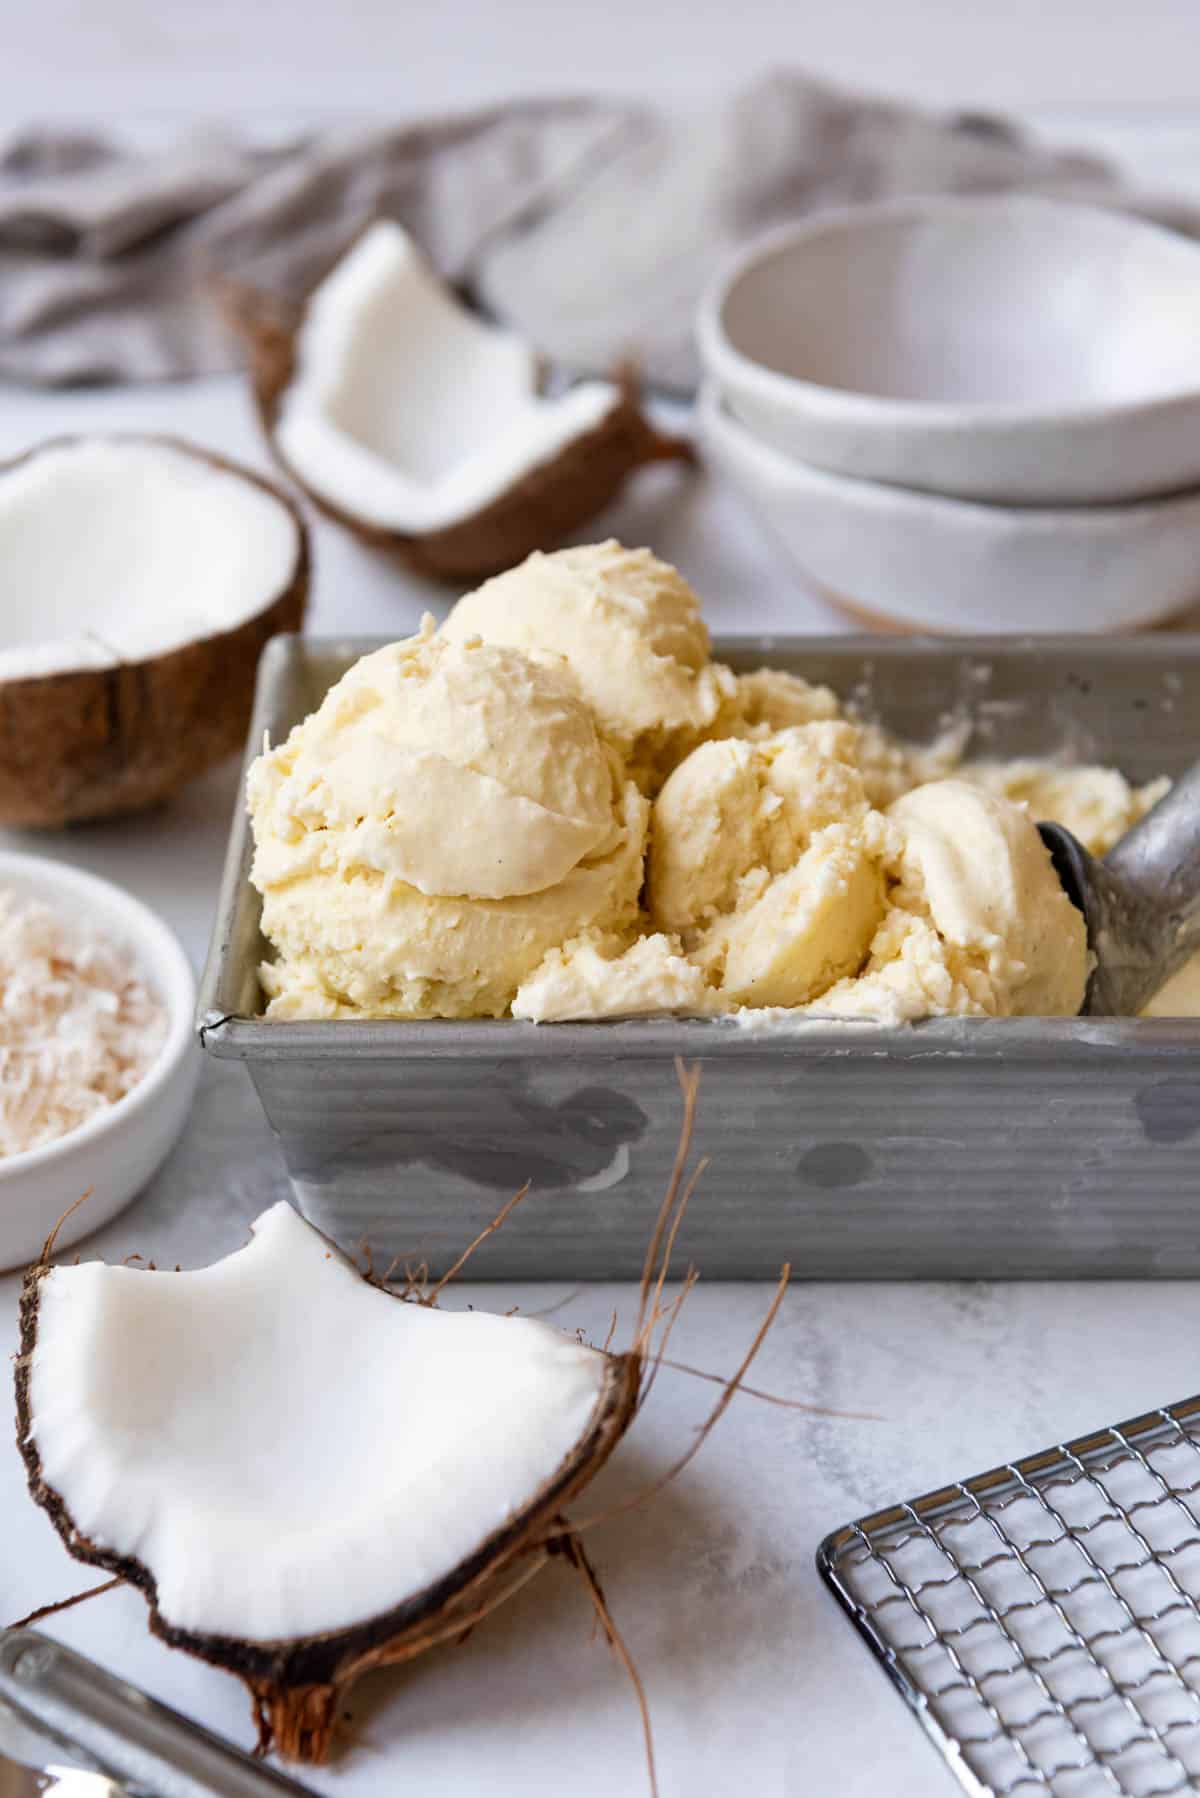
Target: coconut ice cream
{"points": [[767, 859], [558, 806], [791, 889], [448, 814], [977, 920], [630, 630]]}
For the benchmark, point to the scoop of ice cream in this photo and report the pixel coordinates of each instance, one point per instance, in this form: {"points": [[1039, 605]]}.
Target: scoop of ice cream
{"points": [[978, 921], [630, 628], [597, 979], [734, 805], [1098, 804], [703, 829], [462, 769], [788, 887], [446, 815], [992, 892], [805, 929], [766, 857], [765, 701]]}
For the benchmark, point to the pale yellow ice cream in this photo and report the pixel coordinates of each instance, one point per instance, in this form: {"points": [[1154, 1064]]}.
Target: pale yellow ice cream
{"points": [[448, 814], [558, 806], [767, 700], [790, 889], [1097, 804], [734, 805], [792, 940], [630, 628], [596, 978], [977, 920], [767, 859]]}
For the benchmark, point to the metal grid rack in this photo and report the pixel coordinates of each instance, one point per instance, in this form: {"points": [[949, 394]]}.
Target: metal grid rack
{"points": [[1043, 1619]]}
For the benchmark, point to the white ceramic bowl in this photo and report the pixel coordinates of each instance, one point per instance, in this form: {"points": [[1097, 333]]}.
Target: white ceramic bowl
{"points": [[116, 1151], [1023, 350], [929, 563]]}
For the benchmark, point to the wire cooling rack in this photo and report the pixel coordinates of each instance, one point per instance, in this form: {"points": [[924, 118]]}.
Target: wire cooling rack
{"points": [[1043, 1619]]}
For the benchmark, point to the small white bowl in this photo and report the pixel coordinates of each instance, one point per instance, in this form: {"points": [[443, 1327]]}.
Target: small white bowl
{"points": [[1021, 350], [116, 1151], [928, 563]]}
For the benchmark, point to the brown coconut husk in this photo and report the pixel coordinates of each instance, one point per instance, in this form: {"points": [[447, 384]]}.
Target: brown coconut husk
{"points": [[298, 1688], [99, 742], [538, 511]]}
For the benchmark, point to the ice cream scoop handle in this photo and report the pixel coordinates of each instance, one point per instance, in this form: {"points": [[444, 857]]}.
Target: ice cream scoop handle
{"points": [[1159, 859], [105, 1724]]}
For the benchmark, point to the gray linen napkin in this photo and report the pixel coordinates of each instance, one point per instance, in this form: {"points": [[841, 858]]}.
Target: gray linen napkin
{"points": [[589, 224]]}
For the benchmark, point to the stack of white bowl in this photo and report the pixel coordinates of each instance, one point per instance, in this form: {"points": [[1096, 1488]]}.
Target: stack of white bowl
{"points": [[968, 414]]}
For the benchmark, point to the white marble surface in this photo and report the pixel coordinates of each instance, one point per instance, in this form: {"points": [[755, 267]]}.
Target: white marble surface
{"points": [[755, 1681]]}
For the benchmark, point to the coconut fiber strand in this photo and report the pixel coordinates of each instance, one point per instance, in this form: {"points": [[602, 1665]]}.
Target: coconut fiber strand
{"points": [[107, 255]]}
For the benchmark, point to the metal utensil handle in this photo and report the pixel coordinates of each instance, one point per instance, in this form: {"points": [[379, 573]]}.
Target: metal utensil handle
{"points": [[1160, 857], [124, 1732]]}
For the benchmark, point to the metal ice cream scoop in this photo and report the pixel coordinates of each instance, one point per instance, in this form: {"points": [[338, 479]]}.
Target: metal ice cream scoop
{"points": [[68, 1726], [1141, 902]]}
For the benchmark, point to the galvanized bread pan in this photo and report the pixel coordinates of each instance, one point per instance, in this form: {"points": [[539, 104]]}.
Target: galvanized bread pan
{"points": [[977, 1148]]}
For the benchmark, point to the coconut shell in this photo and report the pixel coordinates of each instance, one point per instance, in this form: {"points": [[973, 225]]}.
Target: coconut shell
{"points": [[98, 742], [538, 511], [297, 1686]]}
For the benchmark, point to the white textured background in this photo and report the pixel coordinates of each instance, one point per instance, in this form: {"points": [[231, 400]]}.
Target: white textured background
{"points": [[62, 56]]}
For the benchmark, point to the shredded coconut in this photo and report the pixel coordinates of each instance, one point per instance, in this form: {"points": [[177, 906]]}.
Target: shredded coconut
{"points": [[78, 1026]]}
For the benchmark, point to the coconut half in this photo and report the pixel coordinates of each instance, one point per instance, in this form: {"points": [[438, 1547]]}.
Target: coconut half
{"points": [[422, 427], [305, 1474], [142, 576]]}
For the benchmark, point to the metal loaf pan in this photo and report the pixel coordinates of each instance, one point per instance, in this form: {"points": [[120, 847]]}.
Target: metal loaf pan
{"points": [[955, 1148]]}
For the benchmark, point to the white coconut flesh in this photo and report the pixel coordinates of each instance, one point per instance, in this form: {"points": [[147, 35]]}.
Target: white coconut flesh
{"points": [[287, 1449], [407, 412], [118, 550]]}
